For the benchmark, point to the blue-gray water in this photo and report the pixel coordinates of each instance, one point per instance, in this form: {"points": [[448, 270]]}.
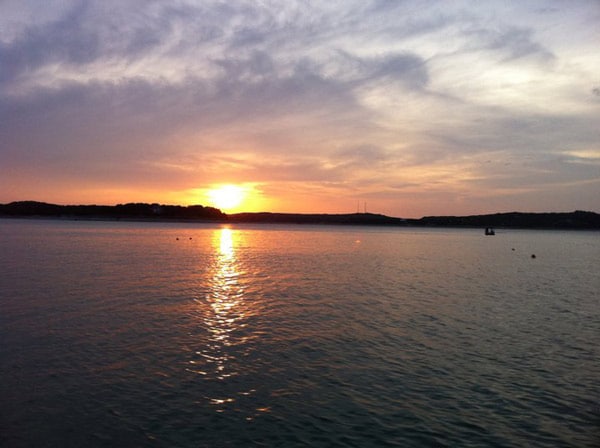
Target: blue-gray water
{"points": [[180, 335]]}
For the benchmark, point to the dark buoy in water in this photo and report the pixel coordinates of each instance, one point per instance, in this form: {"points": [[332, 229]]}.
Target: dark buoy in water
{"points": [[513, 248], [190, 237], [177, 239], [532, 255]]}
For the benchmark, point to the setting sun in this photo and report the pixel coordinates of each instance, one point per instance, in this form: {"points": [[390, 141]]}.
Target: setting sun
{"points": [[227, 197]]}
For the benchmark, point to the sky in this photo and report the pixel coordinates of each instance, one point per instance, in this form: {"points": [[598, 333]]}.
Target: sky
{"points": [[406, 108]]}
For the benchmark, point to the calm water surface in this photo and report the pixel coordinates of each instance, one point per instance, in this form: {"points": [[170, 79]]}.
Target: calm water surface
{"points": [[180, 335]]}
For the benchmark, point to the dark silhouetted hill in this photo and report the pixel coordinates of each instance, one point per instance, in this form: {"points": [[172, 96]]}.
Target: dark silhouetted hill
{"points": [[121, 211], [142, 211], [572, 220], [301, 218]]}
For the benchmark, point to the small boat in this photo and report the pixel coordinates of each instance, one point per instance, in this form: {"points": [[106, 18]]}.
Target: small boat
{"points": [[489, 231]]}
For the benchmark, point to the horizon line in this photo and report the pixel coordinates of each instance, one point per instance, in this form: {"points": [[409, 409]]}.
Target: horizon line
{"points": [[293, 213]]}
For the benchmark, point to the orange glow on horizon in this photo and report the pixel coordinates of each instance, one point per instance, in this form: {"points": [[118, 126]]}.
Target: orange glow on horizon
{"points": [[229, 197]]}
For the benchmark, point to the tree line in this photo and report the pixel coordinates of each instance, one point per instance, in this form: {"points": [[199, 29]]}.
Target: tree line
{"points": [[124, 211]]}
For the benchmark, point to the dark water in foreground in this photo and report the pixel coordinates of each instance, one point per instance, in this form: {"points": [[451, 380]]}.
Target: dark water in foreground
{"points": [[174, 335]]}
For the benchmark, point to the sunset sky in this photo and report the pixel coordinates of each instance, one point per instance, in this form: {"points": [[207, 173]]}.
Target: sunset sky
{"points": [[414, 107]]}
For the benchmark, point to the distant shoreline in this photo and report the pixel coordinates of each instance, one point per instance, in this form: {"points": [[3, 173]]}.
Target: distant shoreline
{"points": [[142, 212]]}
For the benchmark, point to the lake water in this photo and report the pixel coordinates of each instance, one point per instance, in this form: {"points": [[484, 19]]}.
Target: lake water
{"points": [[186, 335]]}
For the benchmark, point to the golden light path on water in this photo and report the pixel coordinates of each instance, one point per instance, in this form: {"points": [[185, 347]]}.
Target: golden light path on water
{"points": [[224, 297], [225, 309]]}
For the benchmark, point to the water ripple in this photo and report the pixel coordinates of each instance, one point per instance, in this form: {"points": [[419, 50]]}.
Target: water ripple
{"points": [[125, 335]]}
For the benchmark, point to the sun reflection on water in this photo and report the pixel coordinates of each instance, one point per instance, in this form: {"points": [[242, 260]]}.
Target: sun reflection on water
{"points": [[223, 310], [225, 239], [224, 297], [229, 308]]}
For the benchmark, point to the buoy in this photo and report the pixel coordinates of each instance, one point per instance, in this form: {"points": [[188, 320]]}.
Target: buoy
{"points": [[532, 255], [177, 239]]}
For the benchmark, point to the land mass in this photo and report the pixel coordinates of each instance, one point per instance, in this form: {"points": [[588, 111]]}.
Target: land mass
{"points": [[146, 212]]}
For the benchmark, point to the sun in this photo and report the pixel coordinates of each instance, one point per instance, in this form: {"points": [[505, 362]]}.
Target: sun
{"points": [[227, 197]]}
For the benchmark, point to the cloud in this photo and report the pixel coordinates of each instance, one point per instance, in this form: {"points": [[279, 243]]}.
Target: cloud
{"points": [[126, 129], [514, 43], [375, 98]]}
